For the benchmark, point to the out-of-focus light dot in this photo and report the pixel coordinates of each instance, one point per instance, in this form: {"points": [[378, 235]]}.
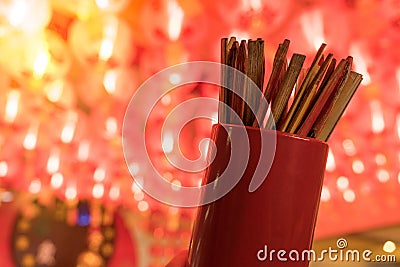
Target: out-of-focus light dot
{"points": [[175, 78], [358, 166], [135, 187], [110, 81], [54, 90], [342, 183], [176, 185], [398, 177], [173, 210], [98, 191], [378, 122], [166, 100], [30, 138], [349, 195], [12, 105], [389, 246], [380, 159], [114, 192], [349, 147], [330, 164], [35, 186], [168, 142], [143, 206], [383, 175], [138, 196], [83, 150], [112, 125], [99, 174], [70, 193], [7, 196], [325, 194], [3, 168], [56, 180], [134, 168]]}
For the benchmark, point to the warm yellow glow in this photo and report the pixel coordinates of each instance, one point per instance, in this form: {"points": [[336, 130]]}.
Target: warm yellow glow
{"points": [[57, 180], [349, 147], [31, 137], [35, 186], [17, 13], [325, 194], [383, 175], [176, 185], [53, 163], [313, 28], [342, 183], [360, 63], [143, 206], [103, 3], [83, 150], [110, 81], [349, 195], [12, 106], [70, 193], [68, 131], [138, 196], [114, 192], [330, 164], [380, 159], [41, 62], [99, 174], [98, 191], [378, 122], [358, 166], [107, 44], [3, 168], [112, 126], [389, 246], [54, 91], [175, 13], [168, 142]]}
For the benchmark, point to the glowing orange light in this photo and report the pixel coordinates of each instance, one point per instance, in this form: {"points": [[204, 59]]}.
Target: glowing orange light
{"points": [[114, 192], [360, 64], [12, 106], [40, 64], [110, 81], [54, 91], [313, 28], [98, 191], [378, 122], [68, 131], [70, 192], [175, 13], [109, 35], [53, 163], [57, 180], [31, 137]]}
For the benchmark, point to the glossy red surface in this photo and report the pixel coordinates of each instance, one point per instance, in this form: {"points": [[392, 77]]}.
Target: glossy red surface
{"points": [[280, 214]]}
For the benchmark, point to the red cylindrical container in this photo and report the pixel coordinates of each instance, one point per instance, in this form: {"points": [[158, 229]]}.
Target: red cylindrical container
{"points": [[242, 228]]}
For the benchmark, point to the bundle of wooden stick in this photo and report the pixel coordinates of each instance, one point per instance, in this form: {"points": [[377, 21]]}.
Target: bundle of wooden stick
{"points": [[321, 92]]}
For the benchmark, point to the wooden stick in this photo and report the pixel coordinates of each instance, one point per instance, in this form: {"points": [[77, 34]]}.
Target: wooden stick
{"points": [[329, 92], [308, 96], [255, 71], [349, 88], [296, 102], [238, 85], [295, 65], [275, 79]]}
